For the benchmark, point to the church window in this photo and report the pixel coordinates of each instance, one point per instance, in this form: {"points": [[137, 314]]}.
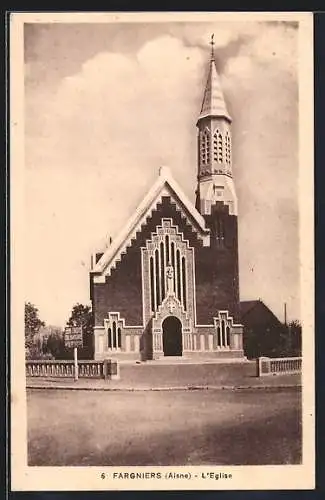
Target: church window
{"points": [[222, 228], [173, 259], [178, 273], [219, 230], [223, 333], [184, 282], [168, 262], [223, 326], [167, 248], [114, 331], [218, 336], [162, 266], [228, 336], [114, 335], [157, 287], [205, 147], [152, 285], [217, 147], [228, 148]]}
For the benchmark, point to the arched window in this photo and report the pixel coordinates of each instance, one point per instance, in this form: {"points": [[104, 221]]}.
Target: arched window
{"points": [[168, 249], [223, 333], [219, 230], [223, 328], [162, 268], [220, 148], [152, 285], [217, 147], [157, 287], [114, 335], [218, 337], [228, 148], [114, 326], [178, 272], [184, 283], [228, 336], [205, 147], [173, 261]]}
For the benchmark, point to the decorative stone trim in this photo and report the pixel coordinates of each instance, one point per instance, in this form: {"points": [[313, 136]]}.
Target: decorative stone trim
{"points": [[117, 334], [227, 334], [182, 303]]}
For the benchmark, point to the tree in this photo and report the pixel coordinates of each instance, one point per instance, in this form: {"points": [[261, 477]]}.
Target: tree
{"points": [[32, 326], [266, 338], [295, 340], [53, 344], [82, 315]]}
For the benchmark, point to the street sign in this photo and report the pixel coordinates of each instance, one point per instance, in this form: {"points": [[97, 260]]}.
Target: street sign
{"points": [[73, 336]]}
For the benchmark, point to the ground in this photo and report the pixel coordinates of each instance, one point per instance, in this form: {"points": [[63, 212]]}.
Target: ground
{"points": [[222, 427]]}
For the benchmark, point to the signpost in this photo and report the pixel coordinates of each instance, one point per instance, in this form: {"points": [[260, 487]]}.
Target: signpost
{"points": [[73, 338]]}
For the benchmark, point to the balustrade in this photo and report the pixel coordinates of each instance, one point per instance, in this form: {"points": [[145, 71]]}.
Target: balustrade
{"points": [[278, 366], [62, 369]]}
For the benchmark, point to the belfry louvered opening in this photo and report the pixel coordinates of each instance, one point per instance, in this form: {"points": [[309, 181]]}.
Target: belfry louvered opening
{"points": [[217, 147]]}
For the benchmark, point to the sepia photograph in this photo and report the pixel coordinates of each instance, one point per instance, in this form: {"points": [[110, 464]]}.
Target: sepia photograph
{"points": [[162, 251]]}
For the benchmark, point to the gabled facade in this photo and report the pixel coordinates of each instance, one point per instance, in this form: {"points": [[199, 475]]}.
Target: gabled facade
{"points": [[168, 284]]}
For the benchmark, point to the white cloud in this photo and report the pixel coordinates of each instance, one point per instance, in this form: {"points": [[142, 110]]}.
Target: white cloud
{"points": [[240, 67], [95, 143], [222, 37]]}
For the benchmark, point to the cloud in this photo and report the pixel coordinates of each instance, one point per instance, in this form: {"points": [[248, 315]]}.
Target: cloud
{"points": [[241, 66], [96, 139]]}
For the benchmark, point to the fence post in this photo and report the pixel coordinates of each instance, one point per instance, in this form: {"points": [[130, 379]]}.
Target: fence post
{"points": [[111, 369], [106, 369], [263, 366], [115, 370], [75, 360]]}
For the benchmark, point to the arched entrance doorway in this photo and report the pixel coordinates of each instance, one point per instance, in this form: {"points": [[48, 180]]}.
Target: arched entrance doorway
{"points": [[172, 336]]}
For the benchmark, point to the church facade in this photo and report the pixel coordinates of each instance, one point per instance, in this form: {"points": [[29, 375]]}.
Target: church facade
{"points": [[168, 284]]}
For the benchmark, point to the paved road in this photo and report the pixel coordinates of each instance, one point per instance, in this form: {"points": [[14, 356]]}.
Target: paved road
{"points": [[163, 428]]}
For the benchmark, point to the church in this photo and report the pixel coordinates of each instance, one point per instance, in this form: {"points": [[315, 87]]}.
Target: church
{"points": [[168, 284]]}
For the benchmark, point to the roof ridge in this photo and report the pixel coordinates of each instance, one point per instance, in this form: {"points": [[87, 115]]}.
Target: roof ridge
{"points": [[118, 246]]}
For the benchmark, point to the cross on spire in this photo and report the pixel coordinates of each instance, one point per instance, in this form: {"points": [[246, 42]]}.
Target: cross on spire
{"points": [[212, 43]]}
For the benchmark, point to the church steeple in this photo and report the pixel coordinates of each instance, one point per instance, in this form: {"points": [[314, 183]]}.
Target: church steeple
{"points": [[214, 146], [213, 101]]}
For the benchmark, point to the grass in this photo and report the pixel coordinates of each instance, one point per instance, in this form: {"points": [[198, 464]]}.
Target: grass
{"points": [[163, 428]]}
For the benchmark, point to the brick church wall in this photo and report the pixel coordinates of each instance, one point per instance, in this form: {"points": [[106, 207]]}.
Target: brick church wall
{"points": [[122, 291], [216, 271], [217, 282]]}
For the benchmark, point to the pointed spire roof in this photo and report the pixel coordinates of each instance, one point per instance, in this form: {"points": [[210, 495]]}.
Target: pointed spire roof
{"points": [[213, 101]]}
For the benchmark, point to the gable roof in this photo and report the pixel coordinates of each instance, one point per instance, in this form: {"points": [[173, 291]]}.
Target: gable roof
{"points": [[247, 306], [165, 185]]}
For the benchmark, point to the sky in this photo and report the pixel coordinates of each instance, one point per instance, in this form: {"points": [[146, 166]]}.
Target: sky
{"points": [[106, 105]]}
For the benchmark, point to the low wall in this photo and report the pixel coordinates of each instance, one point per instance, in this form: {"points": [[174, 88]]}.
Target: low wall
{"points": [[277, 366], [106, 369]]}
